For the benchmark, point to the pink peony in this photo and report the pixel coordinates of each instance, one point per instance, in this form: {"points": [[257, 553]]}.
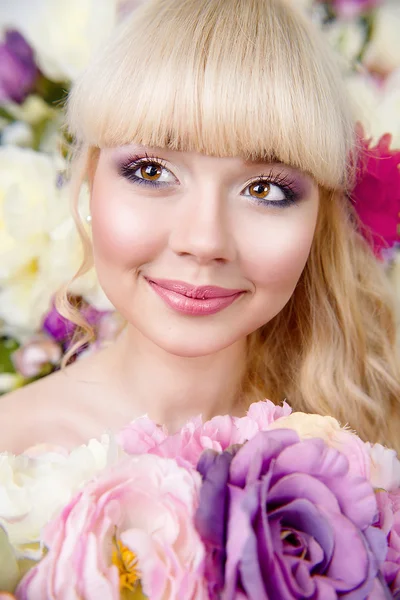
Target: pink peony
{"points": [[376, 195], [193, 438], [259, 417], [132, 525], [188, 444], [389, 521], [141, 435]]}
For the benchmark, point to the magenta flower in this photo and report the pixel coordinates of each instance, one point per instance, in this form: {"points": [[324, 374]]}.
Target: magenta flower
{"points": [[18, 70], [283, 519], [376, 195]]}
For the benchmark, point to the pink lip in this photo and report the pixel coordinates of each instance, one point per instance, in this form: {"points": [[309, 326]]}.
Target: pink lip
{"points": [[192, 300]]}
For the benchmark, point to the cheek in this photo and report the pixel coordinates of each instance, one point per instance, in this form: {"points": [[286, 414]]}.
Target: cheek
{"points": [[277, 250], [125, 227]]}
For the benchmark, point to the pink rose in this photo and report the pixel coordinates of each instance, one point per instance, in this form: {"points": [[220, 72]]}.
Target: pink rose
{"points": [[133, 525]]}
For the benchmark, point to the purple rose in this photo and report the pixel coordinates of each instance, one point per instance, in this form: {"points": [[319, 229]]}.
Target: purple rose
{"points": [[18, 70], [283, 518], [389, 521]]}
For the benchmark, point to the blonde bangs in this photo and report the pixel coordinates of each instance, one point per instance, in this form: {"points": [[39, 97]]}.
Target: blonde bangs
{"points": [[246, 78]]}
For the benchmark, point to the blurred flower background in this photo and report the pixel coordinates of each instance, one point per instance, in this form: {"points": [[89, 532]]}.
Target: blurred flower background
{"points": [[44, 45]]}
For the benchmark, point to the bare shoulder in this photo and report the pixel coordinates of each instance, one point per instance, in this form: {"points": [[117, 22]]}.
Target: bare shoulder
{"points": [[57, 409]]}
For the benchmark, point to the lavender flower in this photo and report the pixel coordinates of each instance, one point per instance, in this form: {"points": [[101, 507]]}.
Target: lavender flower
{"points": [[18, 70], [284, 519], [62, 330]]}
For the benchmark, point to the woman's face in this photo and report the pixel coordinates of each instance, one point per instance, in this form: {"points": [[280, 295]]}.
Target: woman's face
{"points": [[196, 252]]}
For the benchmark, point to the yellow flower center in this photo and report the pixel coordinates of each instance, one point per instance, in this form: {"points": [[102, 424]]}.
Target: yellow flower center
{"points": [[127, 563]]}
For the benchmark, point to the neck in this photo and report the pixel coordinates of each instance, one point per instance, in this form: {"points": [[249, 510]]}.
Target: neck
{"points": [[171, 389]]}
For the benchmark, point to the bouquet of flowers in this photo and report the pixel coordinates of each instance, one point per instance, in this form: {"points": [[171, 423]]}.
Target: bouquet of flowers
{"points": [[41, 53], [271, 505]]}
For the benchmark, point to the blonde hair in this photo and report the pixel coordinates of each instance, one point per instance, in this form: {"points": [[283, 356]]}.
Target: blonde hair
{"points": [[252, 78]]}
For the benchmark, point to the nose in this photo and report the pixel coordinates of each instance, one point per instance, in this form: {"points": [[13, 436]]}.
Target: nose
{"points": [[202, 228]]}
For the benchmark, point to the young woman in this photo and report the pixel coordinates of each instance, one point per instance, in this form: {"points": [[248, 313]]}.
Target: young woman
{"points": [[217, 139]]}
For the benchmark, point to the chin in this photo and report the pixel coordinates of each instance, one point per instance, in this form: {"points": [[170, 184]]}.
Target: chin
{"points": [[179, 343]]}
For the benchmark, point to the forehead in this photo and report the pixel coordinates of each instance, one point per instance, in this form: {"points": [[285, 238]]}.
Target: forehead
{"points": [[240, 80]]}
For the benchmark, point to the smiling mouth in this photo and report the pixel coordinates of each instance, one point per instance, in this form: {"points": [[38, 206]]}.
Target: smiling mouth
{"points": [[194, 300]]}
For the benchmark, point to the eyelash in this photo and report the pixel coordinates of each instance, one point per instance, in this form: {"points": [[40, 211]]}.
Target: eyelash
{"points": [[282, 180]]}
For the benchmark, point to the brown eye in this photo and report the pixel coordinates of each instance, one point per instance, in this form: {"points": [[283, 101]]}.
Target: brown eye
{"points": [[151, 171], [259, 190]]}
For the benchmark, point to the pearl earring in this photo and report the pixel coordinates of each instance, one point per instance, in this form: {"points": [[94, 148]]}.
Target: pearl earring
{"points": [[89, 219]]}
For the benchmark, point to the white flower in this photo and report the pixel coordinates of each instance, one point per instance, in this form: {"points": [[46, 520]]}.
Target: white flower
{"points": [[17, 134], [347, 38], [30, 206], [28, 197], [383, 52], [40, 248], [8, 382], [33, 111], [64, 34], [377, 106], [35, 485], [385, 468]]}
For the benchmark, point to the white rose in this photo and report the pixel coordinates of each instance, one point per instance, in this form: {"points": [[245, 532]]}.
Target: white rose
{"points": [[34, 486], [64, 35], [377, 106], [17, 134], [383, 52], [40, 248], [347, 38], [30, 205]]}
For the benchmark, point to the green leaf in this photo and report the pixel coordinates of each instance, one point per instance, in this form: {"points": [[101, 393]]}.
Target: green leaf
{"points": [[7, 347]]}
